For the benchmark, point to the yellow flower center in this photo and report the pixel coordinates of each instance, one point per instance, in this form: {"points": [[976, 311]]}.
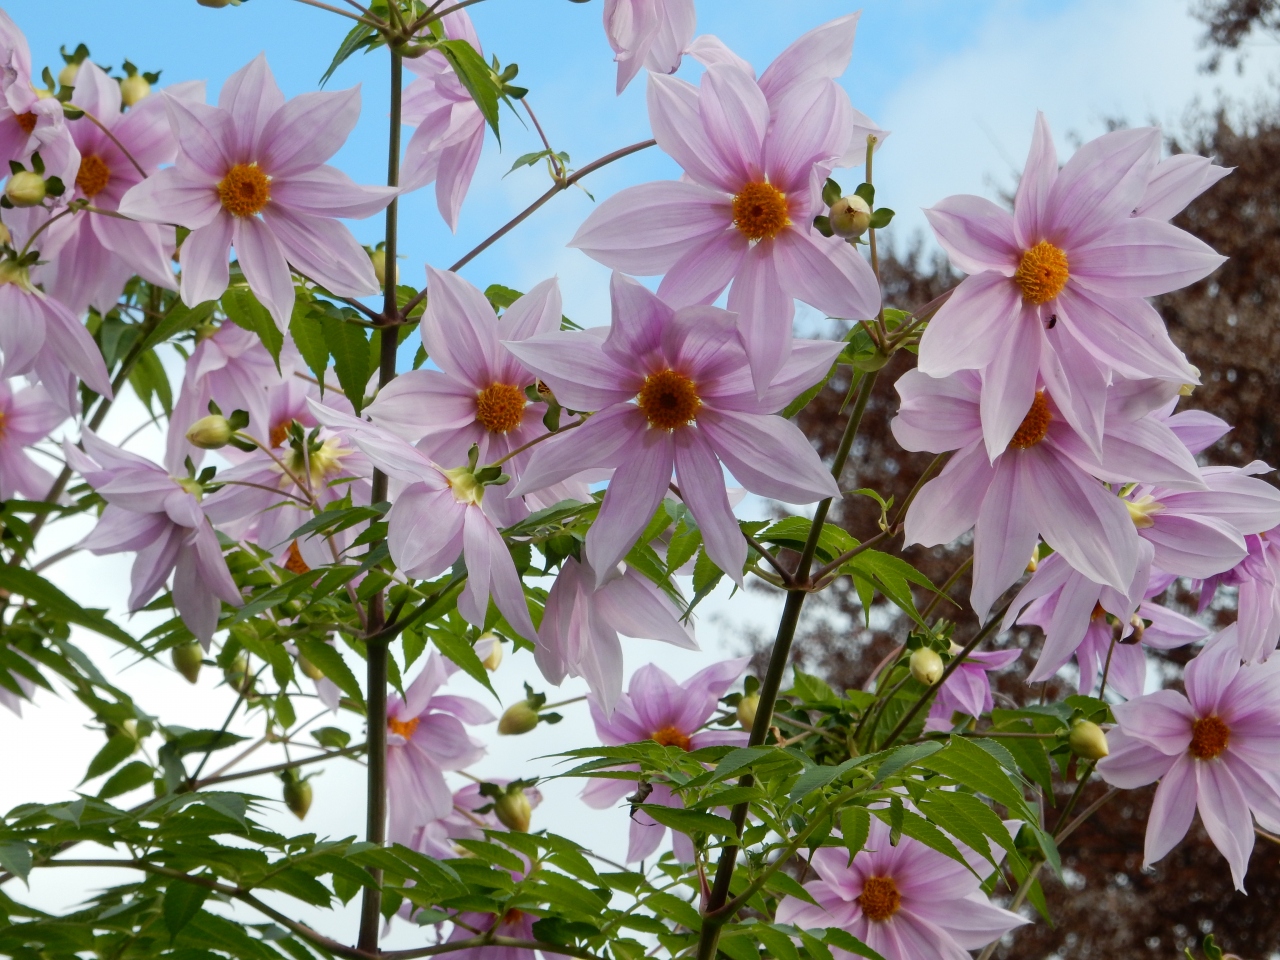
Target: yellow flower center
{"points": [[1034, 425], [27, 121], [326, 461], [1042, 272], [672, 737], [1143, 511], [880, 898], [500, 407], [1099, 613], [245, 190], [669, 399], [403, 727], [293, 561], [466, 488], [93, 176], [760, 211], [1209, 737]]}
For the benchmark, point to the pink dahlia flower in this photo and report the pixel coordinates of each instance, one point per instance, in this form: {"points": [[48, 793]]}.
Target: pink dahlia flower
{"points": [[1042, 485], [97, 254], [968, 690], [906, 902], [251, 174], [1214, 750], [656, 707], [446, 145], [696, 408], [232, 368], [159, 517], [26, 417], [580, 626], [29, 123], [1257, 582], [437, 516], [477, 396], [1055, 288], [425, 737], [39, 334], [1095, 624], [743, 214], [648, 33]]}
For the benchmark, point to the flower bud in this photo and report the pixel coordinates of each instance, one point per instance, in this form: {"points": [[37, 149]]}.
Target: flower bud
{"points": [[187, 660], [133, 89], [747, 710], [519, 718], [926, 666], [237, 675], [67, 75], [513, 810], [211, 432], [25, 189], [379, 259], [489, 650], [309, 669], [6, 237], [850, 217], [1087, 740], [297, 795]]}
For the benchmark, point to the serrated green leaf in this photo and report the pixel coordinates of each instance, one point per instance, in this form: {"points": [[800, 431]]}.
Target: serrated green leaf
{"points": [[349, 348], [16, 858], [689, 821], [129, 777], [307, 328], [474, 74], [975, 768], [182, 901], [244, 310], [458, 648], [855, 826], [57, 604], [332, 665], [115, 751]]}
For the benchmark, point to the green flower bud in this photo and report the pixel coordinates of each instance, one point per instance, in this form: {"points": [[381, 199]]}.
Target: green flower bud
{"points": [[850, 217], [211, 432], [134, 89], [67, 75], [747, 710], [237, 675], [187, 660], [513, 810], [489, 649], [6, 237], [297, 794], [379, 259], [1087, 740], [25, 189], [309, 668], [519, 718], [926, 666]]}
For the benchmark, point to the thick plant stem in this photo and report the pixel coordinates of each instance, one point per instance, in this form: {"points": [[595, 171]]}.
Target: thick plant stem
{"points": [[376, 826], [772, 681]]}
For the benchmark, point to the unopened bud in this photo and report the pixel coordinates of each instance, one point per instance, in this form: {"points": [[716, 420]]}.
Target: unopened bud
{"points": [[187, 660], [211, 432], [309, 668], [67, 75], [513, 810], [1087, 740], [297, 795], [489, 650], [237, 675], [747, 710], [130, 728], [25, 189], [379, 260], [850, 217], [519, 718], [6, 237], [133, 89], [926, 666]]}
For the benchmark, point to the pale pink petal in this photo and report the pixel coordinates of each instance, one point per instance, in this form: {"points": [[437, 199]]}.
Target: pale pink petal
{"points": [[826, 273], [675, 116], [1171, 810], [949, 504], [765, 311], [701, 274], [1078, 384], [1132, 763], [822, 53], [634, 493], [145, 247], [812, 124], [424, 531], [768, 455], [1142, 258], [1103, 181], [206, 269], [1225, 815], [639, 320], [607, 440], [1033, 188], [702, 489], [172, 196], [307, 130], [1175, 182], [576, 368], [66, 337], [252, 98], [1209, 674], [1004, 535], [422, 403], [491, 571], [1126, 334], [1162, 719], [324, 251], [328, 192], [967, 331], [262, 259], [207, 136], [1009, 384], [734, 116], [457, 166], [977, 235], [937, 413]]}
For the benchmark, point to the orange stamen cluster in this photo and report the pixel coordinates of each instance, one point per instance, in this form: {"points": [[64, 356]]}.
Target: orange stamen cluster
{"points": [[27, 121], [279, 433], [1042, 272], [669, 399], [1034, 425], [760, 211], [1209, 737], [403, 727], [245, 190], [293, 561], [500, 407], [672, 737], [93, 175], [880, 898]]}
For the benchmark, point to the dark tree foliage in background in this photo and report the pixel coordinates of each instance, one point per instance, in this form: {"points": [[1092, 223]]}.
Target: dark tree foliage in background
{"points": [[1229, 326]]}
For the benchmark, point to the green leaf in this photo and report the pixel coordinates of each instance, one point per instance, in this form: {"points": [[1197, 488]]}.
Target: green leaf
{"points": [[115, 751], [802, 401], [332, 666], [880, 218], [867, 192], [57, 604], [457, 647], [350, 350], [967, 763], [360, 36], [855, 826], [182, 901], [129, 777], [831, 192], [16, 858], [244, 310], [179, 318], [904, 757], [475, 75], [335, 738], [307, 329], [815, 778], [847, 941], [689, 821], [918, 828]]}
